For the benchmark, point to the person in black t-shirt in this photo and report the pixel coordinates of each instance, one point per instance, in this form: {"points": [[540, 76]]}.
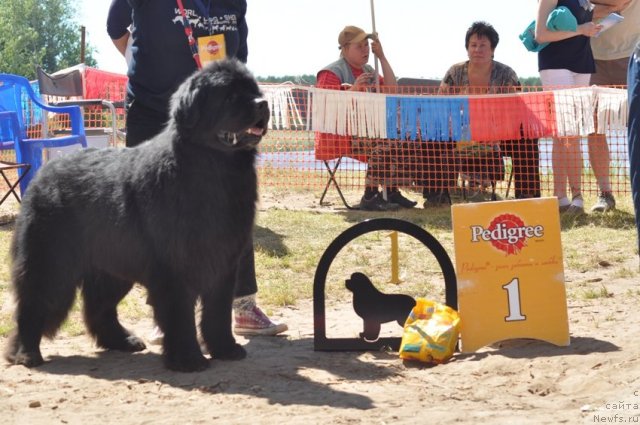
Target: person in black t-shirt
{"points": [[161, 59]]}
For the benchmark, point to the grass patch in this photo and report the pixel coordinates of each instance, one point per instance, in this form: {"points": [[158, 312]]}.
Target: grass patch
{"points": [[289, 244], [595, 293]]}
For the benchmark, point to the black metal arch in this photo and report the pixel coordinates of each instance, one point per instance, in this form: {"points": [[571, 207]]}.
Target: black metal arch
{"points": [[321, 342]]}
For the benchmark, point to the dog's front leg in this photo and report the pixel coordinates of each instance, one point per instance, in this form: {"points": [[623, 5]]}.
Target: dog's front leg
{"points": [[173, 308], [215, 322]]}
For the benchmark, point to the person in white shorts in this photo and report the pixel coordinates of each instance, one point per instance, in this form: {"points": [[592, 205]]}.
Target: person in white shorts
{"points": [[611, 51], [567, 61]]}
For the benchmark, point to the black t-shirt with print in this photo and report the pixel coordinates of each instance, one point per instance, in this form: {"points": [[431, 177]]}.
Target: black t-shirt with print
{"points": [[161, 57], [572, 53]]}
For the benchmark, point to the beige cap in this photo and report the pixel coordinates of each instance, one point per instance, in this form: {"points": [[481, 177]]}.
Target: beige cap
{"points": [[351, 34]]}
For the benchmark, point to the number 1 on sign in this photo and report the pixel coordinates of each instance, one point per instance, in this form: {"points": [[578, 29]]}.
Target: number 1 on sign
{"points": [[513, 300]]}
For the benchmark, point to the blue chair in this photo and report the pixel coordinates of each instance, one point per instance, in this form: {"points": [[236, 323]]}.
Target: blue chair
{"points": [[17, 96]]}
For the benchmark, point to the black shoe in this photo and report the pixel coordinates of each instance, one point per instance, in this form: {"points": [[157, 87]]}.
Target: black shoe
{"points": [[527, 195], [436, 199], [397, 198], [377, 203]]}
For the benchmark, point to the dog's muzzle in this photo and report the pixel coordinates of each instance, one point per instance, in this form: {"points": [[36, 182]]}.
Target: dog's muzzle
{"points": [[250, 137]]}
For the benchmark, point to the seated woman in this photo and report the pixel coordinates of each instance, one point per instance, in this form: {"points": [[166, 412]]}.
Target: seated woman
{"points": [[351, 72], [481, 74]]}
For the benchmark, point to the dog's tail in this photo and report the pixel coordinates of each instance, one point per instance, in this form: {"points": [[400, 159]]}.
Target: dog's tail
{"points": [[44, 293]]}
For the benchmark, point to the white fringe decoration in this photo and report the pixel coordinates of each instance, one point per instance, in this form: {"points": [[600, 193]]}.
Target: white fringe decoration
{"points": [[363, 114], [574, 111], [347, 113], [284, 109], [612, 109]]}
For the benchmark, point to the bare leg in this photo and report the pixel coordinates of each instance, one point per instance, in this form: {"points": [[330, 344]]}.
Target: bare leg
{"points": [[600, 159], [559, 167], [574, 165]]}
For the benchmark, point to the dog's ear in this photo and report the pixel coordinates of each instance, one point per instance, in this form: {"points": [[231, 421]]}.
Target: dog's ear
{"points": [[189, 103]]}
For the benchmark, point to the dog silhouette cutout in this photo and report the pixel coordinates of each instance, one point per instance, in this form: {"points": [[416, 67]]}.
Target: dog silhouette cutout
{"points": [[375, 307]]}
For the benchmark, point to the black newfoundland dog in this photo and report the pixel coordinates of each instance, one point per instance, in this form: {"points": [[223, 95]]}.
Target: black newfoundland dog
{"points": [[173, 214]]}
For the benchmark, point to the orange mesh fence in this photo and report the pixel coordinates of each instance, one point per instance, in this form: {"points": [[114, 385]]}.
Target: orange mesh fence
{"points": [[98, 118], [419, 139], [107, 86], [514, 142]]}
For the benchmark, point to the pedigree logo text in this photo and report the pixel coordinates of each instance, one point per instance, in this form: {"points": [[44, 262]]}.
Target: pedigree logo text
{"points": [[507, 233]]}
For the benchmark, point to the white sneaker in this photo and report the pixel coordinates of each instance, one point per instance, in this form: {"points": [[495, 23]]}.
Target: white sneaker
{"points": [[155, 336], [253, 321], [606, 202]]}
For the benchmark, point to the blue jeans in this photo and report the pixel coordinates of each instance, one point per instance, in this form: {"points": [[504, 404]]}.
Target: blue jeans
{"points": [[633, 82], [143, 123]]}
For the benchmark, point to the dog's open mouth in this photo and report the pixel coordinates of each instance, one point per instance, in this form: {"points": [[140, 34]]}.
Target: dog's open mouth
{"points": [[247, 139]]}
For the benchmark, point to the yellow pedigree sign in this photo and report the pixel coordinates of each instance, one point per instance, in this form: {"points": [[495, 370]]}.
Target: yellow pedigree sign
{"points": [[510, 272]]}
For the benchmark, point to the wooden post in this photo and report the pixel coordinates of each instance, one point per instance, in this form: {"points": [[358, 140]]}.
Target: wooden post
{"points": [[395, 268], [82, 43]]}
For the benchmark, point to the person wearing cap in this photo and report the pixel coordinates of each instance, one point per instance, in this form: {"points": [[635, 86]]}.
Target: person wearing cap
{"points": [[352, 72]]}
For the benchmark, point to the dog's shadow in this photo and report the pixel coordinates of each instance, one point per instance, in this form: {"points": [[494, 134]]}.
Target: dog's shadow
{"points": [[269, 241], [262, 374]]}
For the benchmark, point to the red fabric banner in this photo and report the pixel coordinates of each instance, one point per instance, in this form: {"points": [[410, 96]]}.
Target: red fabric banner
{"points": [[510, 117]]}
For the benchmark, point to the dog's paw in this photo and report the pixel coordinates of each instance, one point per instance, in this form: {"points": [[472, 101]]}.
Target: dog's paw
{"points": [[133, 344], [128, 343], [233, 352], [25, 358], [192, 362]]}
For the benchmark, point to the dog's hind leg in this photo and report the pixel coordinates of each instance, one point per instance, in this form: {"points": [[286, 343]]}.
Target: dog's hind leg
{"points": [[44, 295], [173, 308], [102, 293]]}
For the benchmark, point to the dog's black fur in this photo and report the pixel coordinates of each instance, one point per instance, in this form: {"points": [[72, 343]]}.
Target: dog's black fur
{"points": [[375, 307], [173, 214]]}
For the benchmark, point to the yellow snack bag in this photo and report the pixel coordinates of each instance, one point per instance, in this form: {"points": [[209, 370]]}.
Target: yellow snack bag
{"points": [[430, 332]]}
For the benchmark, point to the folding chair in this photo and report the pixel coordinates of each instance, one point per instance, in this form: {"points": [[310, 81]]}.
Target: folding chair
{"points": [[69, 85], [17, 97], [414, 86], [332, 180], [8, 128]]}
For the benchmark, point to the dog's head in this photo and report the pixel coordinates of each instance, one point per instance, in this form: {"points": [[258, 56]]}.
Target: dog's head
{"points": [[220, 107], [358, 282]]}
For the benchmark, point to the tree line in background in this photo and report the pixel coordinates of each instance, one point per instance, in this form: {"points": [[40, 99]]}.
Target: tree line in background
{"points": [[303, 80], [531, 82], [44, 33]]}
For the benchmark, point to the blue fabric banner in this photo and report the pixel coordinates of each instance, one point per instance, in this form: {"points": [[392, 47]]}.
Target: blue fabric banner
{"points": [[428, 118]]}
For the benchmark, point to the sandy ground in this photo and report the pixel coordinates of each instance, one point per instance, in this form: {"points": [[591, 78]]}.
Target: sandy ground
{"points": [[283, 380]]}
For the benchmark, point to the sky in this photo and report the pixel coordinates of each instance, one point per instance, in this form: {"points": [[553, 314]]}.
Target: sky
{"points": [[420, 38]]}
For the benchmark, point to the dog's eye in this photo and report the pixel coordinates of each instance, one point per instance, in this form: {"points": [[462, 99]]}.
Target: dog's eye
{"points": [[231, 98]]}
